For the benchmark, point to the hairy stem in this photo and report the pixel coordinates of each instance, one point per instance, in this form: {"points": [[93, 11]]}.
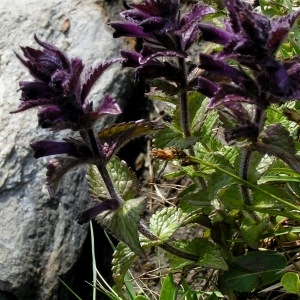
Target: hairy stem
{"points": [[184, 110], [183, 99], [259, 119], [98, 151], [147, 233]]}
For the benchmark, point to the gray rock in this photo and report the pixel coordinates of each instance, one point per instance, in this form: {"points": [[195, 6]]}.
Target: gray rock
{"points": [[39, 239]]}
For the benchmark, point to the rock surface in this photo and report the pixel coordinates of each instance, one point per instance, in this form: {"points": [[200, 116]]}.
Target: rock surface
{"points": [[39, 239]]}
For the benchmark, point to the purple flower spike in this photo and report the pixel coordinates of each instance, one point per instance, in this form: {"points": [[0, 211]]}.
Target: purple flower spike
{"points": [[59, 91], [159, 22], [249, 35]]}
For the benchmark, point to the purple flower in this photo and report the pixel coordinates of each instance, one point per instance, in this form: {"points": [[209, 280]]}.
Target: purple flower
{"points": [[71, 147], [160, 22], [59, 91], [249, 35], [153, 68], [91, 213]]}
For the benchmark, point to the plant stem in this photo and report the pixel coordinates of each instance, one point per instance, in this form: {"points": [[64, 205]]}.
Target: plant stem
{"points": [[183, 99], [98, 151], [259, 120], [147, 233], [185, 112]]}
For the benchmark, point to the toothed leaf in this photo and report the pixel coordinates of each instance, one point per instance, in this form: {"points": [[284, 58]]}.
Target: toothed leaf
{"points": [[57, 168], [123, 178], [169, 137], [123, 258], [123, 223], [166, 222], [209, 254], [117, 136], [276, 140], [92, 76], [257, 268]]}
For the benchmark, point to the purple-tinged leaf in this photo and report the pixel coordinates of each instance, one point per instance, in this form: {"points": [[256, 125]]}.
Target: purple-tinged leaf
{"points": [[189, 29], [27, 104], [234, 7], [157, 7], [276, 141], [238, 111], [73, 83], [145, 59], [280, 28], [92, 76], [115, 137], [231, 94], [108, 106], [57, 168], [65, 63], [195, 14]]}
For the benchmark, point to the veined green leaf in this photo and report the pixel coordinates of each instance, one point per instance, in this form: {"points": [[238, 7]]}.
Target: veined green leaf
{"points": [[246, 183], [276, 140], [253, 270], [169, 137], [166, 222], [163, 86], [123, 223], [123, 178], [263, 201], [124, 257], [252, 232], [231, 197], [209, 254]]}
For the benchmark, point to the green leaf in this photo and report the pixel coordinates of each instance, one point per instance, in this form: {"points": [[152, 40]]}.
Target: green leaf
{"points": [[231, 197], [276, 140], [290, 282], [168, 289], [159, 85], [124, 180], [256, 158], [252, 232], [209, 254], [166, 222], [123, 222], [170, 137], [123, 258], [253, 270], [199, 114], [141, 297], [262, 200], [194, 101]]}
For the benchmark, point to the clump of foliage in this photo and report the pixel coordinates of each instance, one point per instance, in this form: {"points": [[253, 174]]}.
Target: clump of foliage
{"points": [[232, 131]]}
